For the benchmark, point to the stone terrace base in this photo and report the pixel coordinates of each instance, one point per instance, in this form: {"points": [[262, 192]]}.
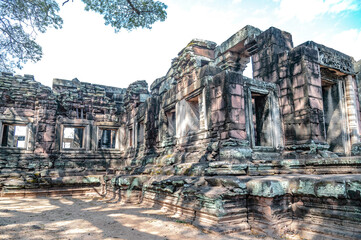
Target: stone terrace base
{"points": [[267, 197], [311, 206]]}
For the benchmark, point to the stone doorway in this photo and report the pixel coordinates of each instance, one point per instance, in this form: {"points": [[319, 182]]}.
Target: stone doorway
{"points": [[335, 119]]}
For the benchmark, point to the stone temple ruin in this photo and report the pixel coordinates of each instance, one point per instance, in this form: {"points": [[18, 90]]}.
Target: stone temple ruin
{"points": [[274, 154]]}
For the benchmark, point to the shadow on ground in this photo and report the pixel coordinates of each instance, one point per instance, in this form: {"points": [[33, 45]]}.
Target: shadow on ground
{"points": [[85, 218]]}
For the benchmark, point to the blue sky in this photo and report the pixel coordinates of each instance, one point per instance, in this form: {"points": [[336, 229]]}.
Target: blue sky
{"points": [[87, 49]]}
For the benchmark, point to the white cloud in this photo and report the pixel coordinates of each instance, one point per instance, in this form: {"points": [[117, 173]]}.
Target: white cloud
{"points": [[91, 52], [346, 41], [337, 6], [308, 10], [88, 50]]}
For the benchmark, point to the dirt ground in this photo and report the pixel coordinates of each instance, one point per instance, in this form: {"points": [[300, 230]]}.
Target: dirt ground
{"points": [[91, 218]]}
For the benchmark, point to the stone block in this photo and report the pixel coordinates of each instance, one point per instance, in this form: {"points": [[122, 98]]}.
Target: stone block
{"points": [[283, 92], [316, 129], [238, 115], [256, 66], [48, 136], [303, 186], [284, 101], [237, 102], [302, 129], [286, 109], [235, 153], [314, 68], [224, 135], [237, 40], [236, 89], [217, 104], [39, 150], [283, 72], [298, 92], [282, 57], [218, 91], [274, 76], [239, 125], [353, 188], [314, 91], [284, 83], [298, 81], [315, 80], [27, 113], [203, 52], [297, 68], [300, 104], [239, 134], [316, 103], [41, 127], [356, 149], [268, 187], [218, 116], [331, 188]]}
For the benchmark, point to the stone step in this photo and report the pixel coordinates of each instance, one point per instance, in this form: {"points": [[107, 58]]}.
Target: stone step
{"points": [[52, 192], [340, 165], [48, 182]]}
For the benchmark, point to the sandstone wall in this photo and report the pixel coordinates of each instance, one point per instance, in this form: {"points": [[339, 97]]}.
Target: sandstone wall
{"points": [[269, 155]]}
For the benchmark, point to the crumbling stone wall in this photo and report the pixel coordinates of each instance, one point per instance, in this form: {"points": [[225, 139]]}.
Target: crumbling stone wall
{"points": [[29, 105], [271, 154], [27, 101], [192, 177], [88, 101], [41, 162]]}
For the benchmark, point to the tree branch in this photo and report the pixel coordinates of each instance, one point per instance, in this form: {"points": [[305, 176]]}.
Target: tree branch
{"points": [[132, 7], [66, 2]]}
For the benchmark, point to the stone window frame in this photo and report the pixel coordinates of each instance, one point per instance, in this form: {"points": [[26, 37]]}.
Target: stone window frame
{"points": [[172, 112], [200, 94], [130, 136], [163, 138], [107, 125], [195, 102], [137, 142], [200, 99], [268, 89], [29, 140], [76, 123], [349, 113]]}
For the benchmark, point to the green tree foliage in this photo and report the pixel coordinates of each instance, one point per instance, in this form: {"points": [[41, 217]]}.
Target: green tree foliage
{"points": [[22, 20], [128, 14]]}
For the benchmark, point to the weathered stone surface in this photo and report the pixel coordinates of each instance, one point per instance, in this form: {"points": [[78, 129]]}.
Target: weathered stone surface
{"points": [[269, 155]]}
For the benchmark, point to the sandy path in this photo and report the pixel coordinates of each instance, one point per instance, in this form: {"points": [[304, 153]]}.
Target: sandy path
{"points": [[85, 218]]}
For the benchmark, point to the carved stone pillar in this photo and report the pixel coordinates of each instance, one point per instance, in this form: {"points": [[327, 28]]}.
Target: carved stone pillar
{"points": [[351, 108]]}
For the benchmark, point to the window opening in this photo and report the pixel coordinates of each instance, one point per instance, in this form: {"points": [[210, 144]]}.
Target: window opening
{"points": [[193, 113], [14, 136], [262, 129], [130, 137], [332, 110], [248, 71], [187, 117], [140, 132], [107, 138], [80, 113], [171, 123], [73, 137]]}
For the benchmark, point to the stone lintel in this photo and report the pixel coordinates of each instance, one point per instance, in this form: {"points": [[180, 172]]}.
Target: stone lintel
{"points": [[332, 58], [199, 44], [238, 41]]}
